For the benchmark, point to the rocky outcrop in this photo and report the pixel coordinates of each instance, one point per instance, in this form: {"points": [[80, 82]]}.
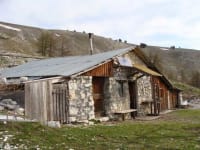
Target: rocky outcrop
{"points": [[12, 106], [9, 104]]}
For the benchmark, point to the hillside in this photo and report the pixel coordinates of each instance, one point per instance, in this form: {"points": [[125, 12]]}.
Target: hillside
{"points": [[24, 39], [177, 64]]}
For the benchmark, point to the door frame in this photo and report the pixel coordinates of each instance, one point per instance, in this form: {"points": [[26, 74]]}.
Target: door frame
{"points": [[133, 96], [98, 95]]}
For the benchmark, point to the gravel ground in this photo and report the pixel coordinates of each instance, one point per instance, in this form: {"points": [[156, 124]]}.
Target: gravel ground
{"points": [[194, 103]]}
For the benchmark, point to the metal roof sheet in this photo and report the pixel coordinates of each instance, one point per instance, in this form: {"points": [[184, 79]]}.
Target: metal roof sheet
{"points": [[146, 70], [62, 66]]}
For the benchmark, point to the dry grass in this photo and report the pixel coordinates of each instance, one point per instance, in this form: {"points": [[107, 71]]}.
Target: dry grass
{"points": [[178, 130]]}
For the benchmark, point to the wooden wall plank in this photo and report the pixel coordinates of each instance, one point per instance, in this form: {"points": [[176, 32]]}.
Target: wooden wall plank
{"points": [[27, 101], [173, 98], [45, 102], [36, 98], [49, 101], [104, 70]]}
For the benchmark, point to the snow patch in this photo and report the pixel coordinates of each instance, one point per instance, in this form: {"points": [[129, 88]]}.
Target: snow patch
{"points": [[184, 103], [9, 117], [125, 61], [9, 27], [164, 49], [57, 35]]}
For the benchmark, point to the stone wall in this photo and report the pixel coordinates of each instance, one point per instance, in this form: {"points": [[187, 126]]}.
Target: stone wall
{"points": [[114, 99], [134, 58], [144, 94], [81, 104]]}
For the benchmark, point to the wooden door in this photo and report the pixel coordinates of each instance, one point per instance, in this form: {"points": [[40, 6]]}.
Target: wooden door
{"points": [[98, 95], [156, 100], [60, 104], [133, 96]]}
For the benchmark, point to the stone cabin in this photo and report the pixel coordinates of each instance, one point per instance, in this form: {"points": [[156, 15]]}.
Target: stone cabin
{"points": [[77, 88]]}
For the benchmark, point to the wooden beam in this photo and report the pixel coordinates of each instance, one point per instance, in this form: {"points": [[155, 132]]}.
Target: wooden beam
{"points": [[54, 79]]}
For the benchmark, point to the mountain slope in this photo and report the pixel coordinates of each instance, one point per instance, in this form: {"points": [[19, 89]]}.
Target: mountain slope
{"points": [[24, 39], [176, 63]]}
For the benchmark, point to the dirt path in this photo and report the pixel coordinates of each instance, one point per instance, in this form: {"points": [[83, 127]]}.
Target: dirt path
{"points": [[194, 106]]}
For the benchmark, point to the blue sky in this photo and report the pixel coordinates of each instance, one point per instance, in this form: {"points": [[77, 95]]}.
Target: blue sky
{"points": [[154, 22]]}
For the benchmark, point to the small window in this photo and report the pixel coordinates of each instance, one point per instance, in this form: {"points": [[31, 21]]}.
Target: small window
{"points": [[121, 88]]}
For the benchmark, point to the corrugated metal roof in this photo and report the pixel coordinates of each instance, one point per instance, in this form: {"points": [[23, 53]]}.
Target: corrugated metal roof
{"points": [[146, 70], [125, 61], [62, 66]]}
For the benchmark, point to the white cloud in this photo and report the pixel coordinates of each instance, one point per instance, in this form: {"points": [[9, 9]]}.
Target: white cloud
{"points": [[159, 22]]}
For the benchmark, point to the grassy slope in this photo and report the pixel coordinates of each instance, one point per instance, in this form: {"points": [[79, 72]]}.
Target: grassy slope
{"points": [[177, 130], [177, 64], [188, 91]]}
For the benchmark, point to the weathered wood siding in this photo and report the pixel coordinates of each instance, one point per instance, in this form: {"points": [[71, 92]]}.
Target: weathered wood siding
{"points": [[162, 93], [105, 70], [38, 97], [45, 101], [168, 98], [175, 99], [98, 95]]}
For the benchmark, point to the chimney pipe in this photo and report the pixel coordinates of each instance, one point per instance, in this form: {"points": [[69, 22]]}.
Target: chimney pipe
{"points": [[91, 43]]}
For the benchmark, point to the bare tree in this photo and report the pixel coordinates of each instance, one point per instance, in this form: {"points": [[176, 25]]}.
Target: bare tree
{"points": [[195, 80], [46, 43], [62, 48]]}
